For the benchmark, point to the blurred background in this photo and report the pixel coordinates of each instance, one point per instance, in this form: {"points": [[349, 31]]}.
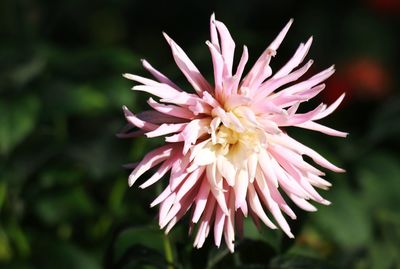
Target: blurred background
{"points": [[64, 198]]}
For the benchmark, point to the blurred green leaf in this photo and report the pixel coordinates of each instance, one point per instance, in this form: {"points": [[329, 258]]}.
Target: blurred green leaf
{"points": [[67, 205], [3, 193], [386, 121], [117, 195], [86, 99], [140, 256], [6, 252], [27, 71], [298, 262], [60, 176], [383, 256], [379, 174], [71, 256], [346, 221], [151, 237], [20, 240], [17, 120], [271, 237]]}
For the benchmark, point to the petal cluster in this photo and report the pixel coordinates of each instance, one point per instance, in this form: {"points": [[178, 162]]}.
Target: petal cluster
{"points": [[226, 153]]}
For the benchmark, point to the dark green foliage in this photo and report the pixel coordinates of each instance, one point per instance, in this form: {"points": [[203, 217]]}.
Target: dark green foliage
{"points": [[64, 197]]}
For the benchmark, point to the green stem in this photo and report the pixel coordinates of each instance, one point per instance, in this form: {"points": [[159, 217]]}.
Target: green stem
{"points": [[169, 256], [217, 258]]}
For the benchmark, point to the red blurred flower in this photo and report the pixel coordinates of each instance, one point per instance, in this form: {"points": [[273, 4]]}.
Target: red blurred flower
{"points": [[385, 6], [362, 79]]}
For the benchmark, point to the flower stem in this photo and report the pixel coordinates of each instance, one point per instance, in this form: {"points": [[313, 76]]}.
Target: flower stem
{"points": [[169, 257]]}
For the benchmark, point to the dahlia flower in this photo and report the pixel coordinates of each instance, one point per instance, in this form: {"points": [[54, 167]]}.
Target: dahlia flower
{"points": [[226, 150]]}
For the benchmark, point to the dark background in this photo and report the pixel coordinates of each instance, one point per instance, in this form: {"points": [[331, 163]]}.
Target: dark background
{"points": [[64, 199]]}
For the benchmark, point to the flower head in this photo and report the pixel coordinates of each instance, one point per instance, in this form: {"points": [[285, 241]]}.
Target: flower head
{"points": [[226, 152]]}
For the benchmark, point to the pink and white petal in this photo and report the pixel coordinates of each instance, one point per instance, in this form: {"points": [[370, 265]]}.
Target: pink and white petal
{"points": [[166, 128], [275, 210], [189, 182], [205, 223], [310, 125], [201, 200], [309, 83], [161, 197], [302, 203], [147, 126], [158, 75], [256, 207], [229, 229], [164, 168], [297, 58], [165, 207], [278, 40], [190, 71], [227, 45], [302, 149], [175, 111], [218, 64], [216, 186], [161, 90], [219, 224], [239, 71], [331, 108], [193, 131], [150, 160], [213, 32], [240, 187], [274, 83]]}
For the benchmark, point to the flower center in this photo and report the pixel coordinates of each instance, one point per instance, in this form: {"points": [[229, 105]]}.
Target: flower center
{"points": [[228, 140]]}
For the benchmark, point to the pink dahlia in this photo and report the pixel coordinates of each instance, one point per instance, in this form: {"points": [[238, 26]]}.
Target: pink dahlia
{"points": [[226, 150]]}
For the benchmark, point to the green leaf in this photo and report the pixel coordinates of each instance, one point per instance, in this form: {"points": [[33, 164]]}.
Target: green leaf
{"points": [[379, 175], [17, 120], [3, 193], [347, 220], [6, 252], [63, 255], [151, 237], [271, 237], [298, 262], [57, 207], [386, 121], [20, 240]]}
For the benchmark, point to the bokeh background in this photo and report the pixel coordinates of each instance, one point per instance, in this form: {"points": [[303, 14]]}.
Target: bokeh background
{"points": [[64, 198]]}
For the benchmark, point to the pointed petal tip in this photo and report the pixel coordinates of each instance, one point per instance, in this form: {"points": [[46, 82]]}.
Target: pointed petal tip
{"points": [[131, 181], [325, 202], [166, 36], [143, 186], [288, 24], [129, 76]]}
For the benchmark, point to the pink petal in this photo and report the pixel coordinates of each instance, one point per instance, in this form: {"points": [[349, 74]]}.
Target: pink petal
{"points": [[171, 110], [188, 68], [321, 128], [227, 45], [158, 75], [150, 160], [147, 126], [166, 128], [256, 206], [297, 58], [201, 200]]}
